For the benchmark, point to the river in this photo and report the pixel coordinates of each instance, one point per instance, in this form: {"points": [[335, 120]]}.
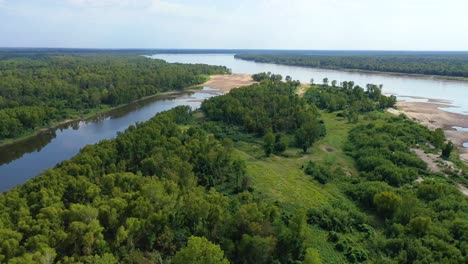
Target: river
{"points": [[27, 158], [405, 87]]}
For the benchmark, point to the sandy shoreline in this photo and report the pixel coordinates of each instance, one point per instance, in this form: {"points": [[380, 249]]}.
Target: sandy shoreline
{"points": [[429, 114], [227, 82]]}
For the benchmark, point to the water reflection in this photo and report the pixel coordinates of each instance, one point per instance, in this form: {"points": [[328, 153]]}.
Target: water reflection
{"points": [[27, 158]]}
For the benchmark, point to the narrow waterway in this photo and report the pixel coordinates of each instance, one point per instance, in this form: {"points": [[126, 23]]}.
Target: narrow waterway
{"points": [[27, 158]]}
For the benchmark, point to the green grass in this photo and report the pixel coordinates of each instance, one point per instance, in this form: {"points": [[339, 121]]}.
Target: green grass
{"points": [[282, 179], [317, 238]]}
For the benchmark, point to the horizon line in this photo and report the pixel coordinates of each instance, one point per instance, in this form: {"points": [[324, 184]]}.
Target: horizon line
{"points": [[222, 49]]}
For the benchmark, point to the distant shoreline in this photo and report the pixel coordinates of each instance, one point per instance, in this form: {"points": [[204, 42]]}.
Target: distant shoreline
{"points": [[61, 123], [222, 82], [398, 74]]}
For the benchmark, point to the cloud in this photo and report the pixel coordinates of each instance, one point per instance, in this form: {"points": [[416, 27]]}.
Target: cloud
{"points": [[3, 3], [132, 4]]}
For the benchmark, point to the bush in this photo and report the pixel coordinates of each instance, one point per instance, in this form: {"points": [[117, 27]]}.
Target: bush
{"points": [[318, 172]]}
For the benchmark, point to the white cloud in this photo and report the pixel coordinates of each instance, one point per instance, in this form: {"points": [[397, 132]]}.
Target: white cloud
{"points": [[132, 4], [3, 3]]}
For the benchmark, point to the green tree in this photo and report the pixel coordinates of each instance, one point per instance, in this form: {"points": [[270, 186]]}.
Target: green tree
{"points": [[387, 203], [256, 249], [307, 134], [312, 256], [325, 81], [200, 251], [419, 225], [447, 150], [268, 143], [438, 138], [280, 144]]}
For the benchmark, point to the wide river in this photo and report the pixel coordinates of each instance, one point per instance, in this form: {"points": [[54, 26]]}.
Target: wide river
{"points": [[405, 87], [25, 159]]}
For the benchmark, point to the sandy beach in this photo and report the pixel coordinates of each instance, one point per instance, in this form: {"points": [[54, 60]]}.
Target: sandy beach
{"points": [[430, 115], [224, 83]]}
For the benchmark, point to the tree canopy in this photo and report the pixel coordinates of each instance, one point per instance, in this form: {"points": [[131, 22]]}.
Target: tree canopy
{"points": [[36, 90], [444, 65]]}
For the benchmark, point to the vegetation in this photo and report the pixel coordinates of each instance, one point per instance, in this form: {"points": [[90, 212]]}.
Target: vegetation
{"points": [[269, 106], [37, 90], [232, 183], [140, 197], [432, 64]]}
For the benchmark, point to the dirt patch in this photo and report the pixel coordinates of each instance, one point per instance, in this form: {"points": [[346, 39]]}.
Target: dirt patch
{"points": [[328, 149], [462, 189], [224, 83], [430, 160], [436, 164], [302, 89], [419, 180]]}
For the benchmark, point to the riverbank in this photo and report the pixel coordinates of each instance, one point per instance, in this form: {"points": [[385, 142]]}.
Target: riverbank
{"points": [[397, 74], [429, 115], [223, 84], [53, 125], [93, 114], [401, 74]]}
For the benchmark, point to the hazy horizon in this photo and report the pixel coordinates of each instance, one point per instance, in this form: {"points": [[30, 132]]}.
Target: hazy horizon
{"points": [[361, 25], [222, 49]]}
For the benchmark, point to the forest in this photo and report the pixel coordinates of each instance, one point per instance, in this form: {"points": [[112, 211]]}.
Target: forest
{"points": [[39, 89], [186, 187], [453, 65]]}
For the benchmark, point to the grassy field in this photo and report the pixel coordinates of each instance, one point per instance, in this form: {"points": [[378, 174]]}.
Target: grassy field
{"points": [[281, 179]]}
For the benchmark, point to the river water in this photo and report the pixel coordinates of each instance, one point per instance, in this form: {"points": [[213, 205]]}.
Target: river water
{"points": [[25, 159], [405, 87]]}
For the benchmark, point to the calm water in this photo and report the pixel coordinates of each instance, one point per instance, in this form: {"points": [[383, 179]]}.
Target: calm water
{"points": [[26, 159], [454, 91]]}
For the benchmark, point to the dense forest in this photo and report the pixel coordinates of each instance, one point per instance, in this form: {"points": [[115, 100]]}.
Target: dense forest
{"points": [[430, 64], [184, 187], [37, 89]]}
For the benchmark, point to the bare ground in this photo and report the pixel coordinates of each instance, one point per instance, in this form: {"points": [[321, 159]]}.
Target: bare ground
{"points": [[430, 115], [224, 83], [429, 159], [462, 189]]}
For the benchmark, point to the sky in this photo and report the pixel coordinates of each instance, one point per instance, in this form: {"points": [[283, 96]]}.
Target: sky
{"points": [[236, 24]]}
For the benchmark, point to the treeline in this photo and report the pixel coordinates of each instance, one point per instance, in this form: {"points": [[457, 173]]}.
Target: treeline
{"points": [[348, 97], [140, 198], [444, 65], [271, 107], [38, 89]]}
